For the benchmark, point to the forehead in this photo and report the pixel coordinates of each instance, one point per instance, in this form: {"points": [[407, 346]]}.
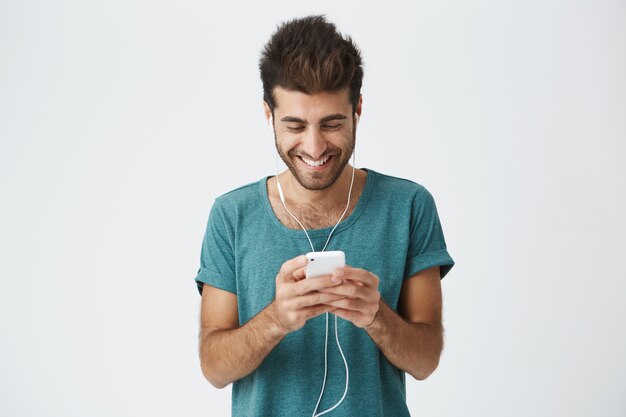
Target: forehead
{"points": [[294, 102]]}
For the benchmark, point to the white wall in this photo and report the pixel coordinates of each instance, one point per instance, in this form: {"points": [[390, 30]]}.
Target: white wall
{"points": [[121, 121]]}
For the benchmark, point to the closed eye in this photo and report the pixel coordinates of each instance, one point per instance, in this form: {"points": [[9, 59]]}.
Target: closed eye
{"points": [[296, 129]]}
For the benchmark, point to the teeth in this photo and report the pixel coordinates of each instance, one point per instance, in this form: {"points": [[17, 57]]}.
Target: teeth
{"points": [[314, 163]]}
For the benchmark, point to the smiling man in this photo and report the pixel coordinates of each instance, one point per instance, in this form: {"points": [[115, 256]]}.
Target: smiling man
{"points": [[263, 326]]}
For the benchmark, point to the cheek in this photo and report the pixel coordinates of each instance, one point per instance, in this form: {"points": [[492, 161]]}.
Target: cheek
{"points": [[287, 145]]}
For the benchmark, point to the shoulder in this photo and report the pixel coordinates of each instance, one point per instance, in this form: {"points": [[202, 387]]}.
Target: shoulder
{"points": [[401, 189], [406, 199], [239, 200], [241, 194]]}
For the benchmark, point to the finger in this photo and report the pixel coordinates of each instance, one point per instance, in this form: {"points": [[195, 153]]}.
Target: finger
{"points": [[311, 284], [351, 290], [300, 274], [315, 298], [289, 267], [340, 272], [367, 278], [347, 314], [351, 281], [352, 304], [315, 311]]}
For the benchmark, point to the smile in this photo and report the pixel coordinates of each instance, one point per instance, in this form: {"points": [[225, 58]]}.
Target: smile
{"points": [[313, 163]]}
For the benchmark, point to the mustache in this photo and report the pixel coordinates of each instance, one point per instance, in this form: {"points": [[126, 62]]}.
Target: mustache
{"points": [[307, 156], [314, 159]]}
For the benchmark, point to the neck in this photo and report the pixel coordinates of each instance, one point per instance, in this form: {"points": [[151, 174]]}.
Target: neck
{"points": [[335, 194]]}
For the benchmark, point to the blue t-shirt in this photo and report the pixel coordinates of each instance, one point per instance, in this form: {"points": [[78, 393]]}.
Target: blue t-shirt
{"points": [[393, 232]]}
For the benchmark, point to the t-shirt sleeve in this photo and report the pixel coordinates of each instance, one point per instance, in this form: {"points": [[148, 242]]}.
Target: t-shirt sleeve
{"points": [[427, 245], [217, 257]]}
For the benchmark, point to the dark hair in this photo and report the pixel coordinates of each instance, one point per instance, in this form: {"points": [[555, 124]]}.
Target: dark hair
{"points": [[309, 55]]}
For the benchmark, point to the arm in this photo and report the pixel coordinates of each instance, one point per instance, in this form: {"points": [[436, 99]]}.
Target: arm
{"points": [[228, 352], [413, 339]]}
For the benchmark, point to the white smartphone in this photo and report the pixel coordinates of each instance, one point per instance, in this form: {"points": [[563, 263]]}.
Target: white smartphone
{"points": [[324, 263]]}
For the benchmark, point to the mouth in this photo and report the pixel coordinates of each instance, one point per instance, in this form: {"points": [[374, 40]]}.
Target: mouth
{"points": [[315, 165]]}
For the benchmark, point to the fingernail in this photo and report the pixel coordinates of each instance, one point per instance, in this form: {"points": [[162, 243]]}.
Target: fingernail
{"points": [[338, 272], [336, 280]]}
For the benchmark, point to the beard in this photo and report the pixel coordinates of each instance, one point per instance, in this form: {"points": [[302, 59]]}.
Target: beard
{"points": [[318, 180]]}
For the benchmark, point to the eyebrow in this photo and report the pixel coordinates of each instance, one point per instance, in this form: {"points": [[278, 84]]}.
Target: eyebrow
{"points": [[336, 116]]}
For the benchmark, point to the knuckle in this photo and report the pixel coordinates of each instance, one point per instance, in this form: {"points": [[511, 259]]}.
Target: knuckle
{"points": [[292, 317], [302, 287], [287, 305], [375, 281], [282, 293]]}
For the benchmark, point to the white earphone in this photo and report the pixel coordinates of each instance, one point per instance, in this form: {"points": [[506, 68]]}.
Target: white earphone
{"points": [[282, 199]]}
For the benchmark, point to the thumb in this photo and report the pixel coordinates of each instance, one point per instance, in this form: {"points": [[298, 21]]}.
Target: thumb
{"points": [[289, 267]]}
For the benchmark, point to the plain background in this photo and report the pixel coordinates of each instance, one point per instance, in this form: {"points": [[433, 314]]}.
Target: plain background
{"points": [[121, 121]]}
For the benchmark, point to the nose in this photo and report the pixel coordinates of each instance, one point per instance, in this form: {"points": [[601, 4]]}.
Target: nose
{"points": [[313, 143]]}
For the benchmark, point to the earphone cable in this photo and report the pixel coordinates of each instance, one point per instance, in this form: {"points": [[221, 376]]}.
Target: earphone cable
{"points": [[282, 198]]}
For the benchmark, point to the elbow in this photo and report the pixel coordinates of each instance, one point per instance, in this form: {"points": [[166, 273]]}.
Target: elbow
{"points": [[209, 368], [213, 378], [217, 383], [424, 372], [427, 364]]}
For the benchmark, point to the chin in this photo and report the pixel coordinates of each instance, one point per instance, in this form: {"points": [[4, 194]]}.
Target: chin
{"points": [[316, 185]]}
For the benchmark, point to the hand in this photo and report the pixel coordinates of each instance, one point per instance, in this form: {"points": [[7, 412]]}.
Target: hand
{"points": [[299, 299], [360, 287]]}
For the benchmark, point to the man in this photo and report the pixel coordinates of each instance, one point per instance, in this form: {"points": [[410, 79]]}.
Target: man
{"points": [[263, 325]]}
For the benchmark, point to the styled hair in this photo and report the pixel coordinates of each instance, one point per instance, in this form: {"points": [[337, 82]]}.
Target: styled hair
{"points": [[309, 55]]}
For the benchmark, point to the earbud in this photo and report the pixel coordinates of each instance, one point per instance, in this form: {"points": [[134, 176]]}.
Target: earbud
{"points": [[280, 189], [356, 117]]}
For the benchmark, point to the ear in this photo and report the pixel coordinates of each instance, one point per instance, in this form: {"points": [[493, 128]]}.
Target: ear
{"points": [[267, 111], [359, 105]]}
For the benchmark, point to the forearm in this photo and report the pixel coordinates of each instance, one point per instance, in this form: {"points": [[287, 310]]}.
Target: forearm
{"points": [[227, 355], [413, 347]]}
